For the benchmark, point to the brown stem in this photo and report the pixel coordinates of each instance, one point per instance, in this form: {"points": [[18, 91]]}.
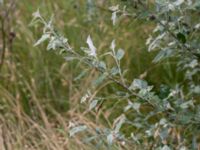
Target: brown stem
{"points": [[3, 33]]}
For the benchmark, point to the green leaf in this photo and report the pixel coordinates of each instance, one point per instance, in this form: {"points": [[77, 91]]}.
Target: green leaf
{"points": [[181, 37], [185, 118]]}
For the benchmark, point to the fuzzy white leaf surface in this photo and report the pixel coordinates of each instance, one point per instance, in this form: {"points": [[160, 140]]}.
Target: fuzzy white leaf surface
{"points": [[92, 48]]}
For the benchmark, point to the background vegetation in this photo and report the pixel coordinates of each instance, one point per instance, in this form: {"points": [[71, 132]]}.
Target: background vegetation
{"points": [[40, 92]]}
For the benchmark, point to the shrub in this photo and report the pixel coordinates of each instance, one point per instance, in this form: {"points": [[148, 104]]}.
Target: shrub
{"points": [[165, 118]]}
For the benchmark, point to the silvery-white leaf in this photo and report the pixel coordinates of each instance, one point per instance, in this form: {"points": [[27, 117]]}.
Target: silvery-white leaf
{"points": [[81, 75], [114, 71], [102, 65], [71, 124], [162, 121], [183, 148], [166, 148], [148, 41], [100, 79], [138, 84], [42, 39], [91, 47], [178, 2], [171, 7], [114, 17], [127, 108], [84, 98], [189, 2], [196, 89], [75, 130], [110, 139], [112, 46], [36, 14], [156, 42], [53, 43], [93, 104], [164, 53], [119, 122], [120, 54], [193, 63], [187, 104], [197, 26], [70, 58], [114, 8], [136, 106]]}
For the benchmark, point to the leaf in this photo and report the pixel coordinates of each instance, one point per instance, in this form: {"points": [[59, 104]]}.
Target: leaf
{"points": [[138, 84], [165, 53], [196, 89], [91, 47], [36, 14], [75, 130], [90, 139], [119, 122], [114, 71], [102, 65], [1, 1], [110, 139], [70, 58], [197, 26], [113, 45], [85, 97], [186, 117], [156, 42], [114, 17], [93, 104], [193, 63], [166, 148], [42, 39], [178, 2], [114, 8], [82, 74], [100, 79], [187, 104], [164, 134], [181, 37], [120, 54], [136, 106], [57, 42]]}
